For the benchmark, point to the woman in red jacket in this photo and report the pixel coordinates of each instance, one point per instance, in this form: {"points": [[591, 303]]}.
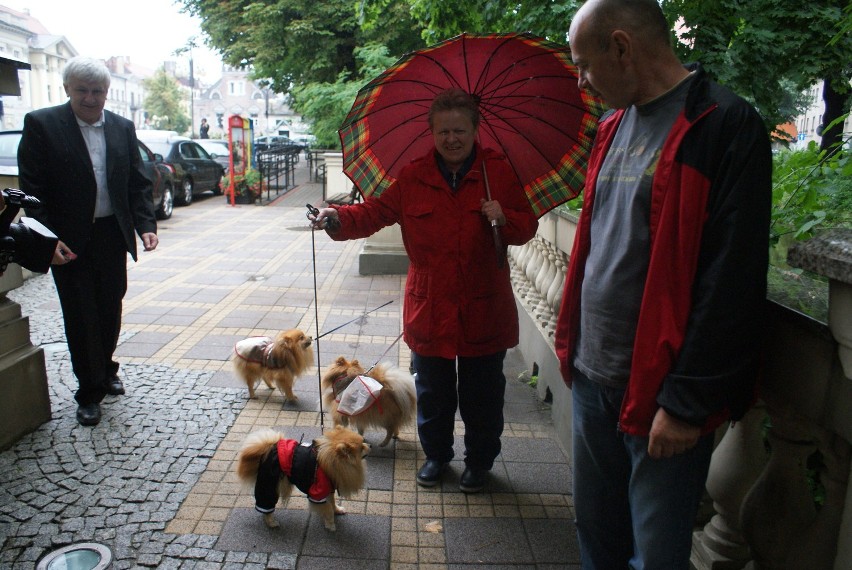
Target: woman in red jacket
{"points": [[459, 314]]}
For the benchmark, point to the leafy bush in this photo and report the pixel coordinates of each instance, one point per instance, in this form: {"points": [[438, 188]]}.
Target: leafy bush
{"points": [[812, 191]]}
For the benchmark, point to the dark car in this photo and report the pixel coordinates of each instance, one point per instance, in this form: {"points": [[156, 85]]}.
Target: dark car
{"points": [[273, 142], [195, 171], [217, 149], [161, 176]]}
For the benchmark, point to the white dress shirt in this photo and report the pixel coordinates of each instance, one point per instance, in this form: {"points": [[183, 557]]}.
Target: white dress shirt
{"points": [[96, 143]]}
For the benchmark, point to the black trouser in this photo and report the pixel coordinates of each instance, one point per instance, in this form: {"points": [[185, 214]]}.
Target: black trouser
{"points": [[477, 385], [91, 289]]}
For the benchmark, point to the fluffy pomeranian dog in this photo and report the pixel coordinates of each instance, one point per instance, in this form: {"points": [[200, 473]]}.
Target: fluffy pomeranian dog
{"points": [[394, 407], [275, 464], [277, 361]]}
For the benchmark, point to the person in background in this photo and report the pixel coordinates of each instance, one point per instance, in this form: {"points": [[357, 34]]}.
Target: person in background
{"points": [[83, 164], [204, 129], [659, 329], [459, 314]]}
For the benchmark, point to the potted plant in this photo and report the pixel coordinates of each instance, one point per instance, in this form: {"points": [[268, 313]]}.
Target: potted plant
{"points": [[247, 186]]}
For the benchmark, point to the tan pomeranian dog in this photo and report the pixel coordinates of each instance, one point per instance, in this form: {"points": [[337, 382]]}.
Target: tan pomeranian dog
{"points": [[275, 464], [277, 361], [394, 407]]}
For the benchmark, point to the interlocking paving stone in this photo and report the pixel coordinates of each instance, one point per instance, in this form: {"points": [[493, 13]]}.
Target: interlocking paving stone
{"points": [[154, 480]]}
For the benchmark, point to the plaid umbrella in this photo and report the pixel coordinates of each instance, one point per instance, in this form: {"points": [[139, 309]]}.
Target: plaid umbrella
{"points": [[529, 102]]}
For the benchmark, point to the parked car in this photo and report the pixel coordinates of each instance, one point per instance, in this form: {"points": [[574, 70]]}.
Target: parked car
{"points": [[195, 171], [161, 176], [270, 142], [9, 159], [217, 149], [9, 141]]}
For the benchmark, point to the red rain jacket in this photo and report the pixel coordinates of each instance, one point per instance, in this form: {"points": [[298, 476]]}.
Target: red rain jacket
{"points": [[457, 301], [699, 331]]}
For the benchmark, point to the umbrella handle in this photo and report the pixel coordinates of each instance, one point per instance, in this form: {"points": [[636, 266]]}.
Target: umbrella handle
{"points": [[498, 242]]}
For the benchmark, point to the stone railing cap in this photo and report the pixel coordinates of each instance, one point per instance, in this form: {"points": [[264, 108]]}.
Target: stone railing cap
{"points": [[828, 254]]}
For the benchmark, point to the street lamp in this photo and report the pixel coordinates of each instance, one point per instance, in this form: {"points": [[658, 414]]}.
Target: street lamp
{"points": [[190, 43]]}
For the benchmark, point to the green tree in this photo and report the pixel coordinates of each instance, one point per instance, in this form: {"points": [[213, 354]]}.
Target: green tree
{"points": [[329, 103], [296, 42], [164, 103], [441, 19], [770, 51], [308, 48]]}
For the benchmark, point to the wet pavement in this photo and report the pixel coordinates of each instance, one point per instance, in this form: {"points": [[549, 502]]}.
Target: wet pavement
{"points": [[155, 480]]}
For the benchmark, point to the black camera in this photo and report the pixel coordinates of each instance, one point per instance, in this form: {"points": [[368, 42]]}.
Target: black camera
{"points": [[27, 243]]}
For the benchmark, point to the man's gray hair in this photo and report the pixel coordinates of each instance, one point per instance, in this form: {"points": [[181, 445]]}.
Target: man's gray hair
{"points": [[86, 69]]}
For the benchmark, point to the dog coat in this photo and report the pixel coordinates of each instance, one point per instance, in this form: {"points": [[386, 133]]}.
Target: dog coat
{"points": [[258, 349], [360, 394], [298, 462]]}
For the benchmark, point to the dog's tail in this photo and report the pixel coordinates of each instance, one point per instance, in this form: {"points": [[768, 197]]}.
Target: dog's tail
{"points": [[399, 384], [256, 448]]}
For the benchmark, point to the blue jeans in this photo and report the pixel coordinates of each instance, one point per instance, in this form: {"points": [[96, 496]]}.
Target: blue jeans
{"points": [[477, 386], [632, 511]]}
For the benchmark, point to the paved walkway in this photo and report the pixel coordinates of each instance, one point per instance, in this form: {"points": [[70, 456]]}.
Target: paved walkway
{"points": [[155, 482]]}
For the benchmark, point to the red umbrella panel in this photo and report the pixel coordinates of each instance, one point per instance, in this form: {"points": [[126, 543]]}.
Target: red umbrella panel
{"points": [[529, 102]]}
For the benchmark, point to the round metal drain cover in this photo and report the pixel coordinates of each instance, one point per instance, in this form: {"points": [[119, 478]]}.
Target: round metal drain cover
{"points": [[83, 556]]}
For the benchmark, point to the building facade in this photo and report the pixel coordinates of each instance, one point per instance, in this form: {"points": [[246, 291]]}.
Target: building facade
{"points": [[235, 93]]}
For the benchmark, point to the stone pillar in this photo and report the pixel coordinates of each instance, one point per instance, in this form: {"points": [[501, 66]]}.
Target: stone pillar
{"points": [[336, 181], [25, 404], [737, 462], [383, 253]]}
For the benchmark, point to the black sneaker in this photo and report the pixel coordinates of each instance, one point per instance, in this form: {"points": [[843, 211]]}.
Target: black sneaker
{"points": [[430, 474], [472, 480]]}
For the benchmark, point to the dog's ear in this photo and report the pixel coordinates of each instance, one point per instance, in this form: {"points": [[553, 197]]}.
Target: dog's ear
{"points": [[340, 361], [344, 450]]}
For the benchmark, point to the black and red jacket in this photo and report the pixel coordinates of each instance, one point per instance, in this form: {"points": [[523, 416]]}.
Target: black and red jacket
{"points": [[698, 333]]}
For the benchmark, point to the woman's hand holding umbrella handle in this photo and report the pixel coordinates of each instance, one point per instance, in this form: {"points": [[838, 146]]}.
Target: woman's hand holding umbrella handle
{"points": [[493, 212]]}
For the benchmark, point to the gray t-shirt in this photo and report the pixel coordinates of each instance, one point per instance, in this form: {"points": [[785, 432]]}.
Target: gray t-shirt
{"points": [[620, 240]]}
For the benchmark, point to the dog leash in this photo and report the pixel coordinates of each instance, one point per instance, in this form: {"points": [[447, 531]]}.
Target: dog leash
{"points": [[315, 211], [383, 354], [355, 319]]}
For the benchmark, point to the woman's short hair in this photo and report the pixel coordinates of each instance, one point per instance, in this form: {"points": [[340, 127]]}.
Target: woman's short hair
{"points": [[86, 69], [455, 99]]}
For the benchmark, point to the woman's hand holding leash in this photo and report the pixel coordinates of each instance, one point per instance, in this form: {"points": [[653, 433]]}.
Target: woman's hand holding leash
{"points": [[325, 219]]}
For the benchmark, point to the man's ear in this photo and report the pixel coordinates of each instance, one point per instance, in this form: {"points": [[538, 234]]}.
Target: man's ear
{"points": [[622, 43]]}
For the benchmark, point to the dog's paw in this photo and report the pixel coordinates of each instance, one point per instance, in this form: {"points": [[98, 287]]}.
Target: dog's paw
{"points": [[270, 521], [338, 510], [329, 525]]}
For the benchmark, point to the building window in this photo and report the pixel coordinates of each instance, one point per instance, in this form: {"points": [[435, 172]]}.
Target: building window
{"points": [[236, 88]]}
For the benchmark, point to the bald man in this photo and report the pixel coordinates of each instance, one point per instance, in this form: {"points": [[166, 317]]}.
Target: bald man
{"points": [[659, 329]]}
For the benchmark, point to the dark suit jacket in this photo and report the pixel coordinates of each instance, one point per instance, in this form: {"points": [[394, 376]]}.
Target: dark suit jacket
{"points": [[54, 166]]}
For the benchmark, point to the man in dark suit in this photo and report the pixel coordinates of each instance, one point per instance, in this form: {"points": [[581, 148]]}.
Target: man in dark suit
{"points": [[83, 164]]}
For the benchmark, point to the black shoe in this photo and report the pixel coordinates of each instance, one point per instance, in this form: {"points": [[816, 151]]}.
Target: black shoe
{"points": [[430, 474], [114, 387], [472, 480], [89, 414]]}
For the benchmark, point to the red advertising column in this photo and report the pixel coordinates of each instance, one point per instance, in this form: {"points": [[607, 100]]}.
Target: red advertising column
{"points": [[239, 139]]}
